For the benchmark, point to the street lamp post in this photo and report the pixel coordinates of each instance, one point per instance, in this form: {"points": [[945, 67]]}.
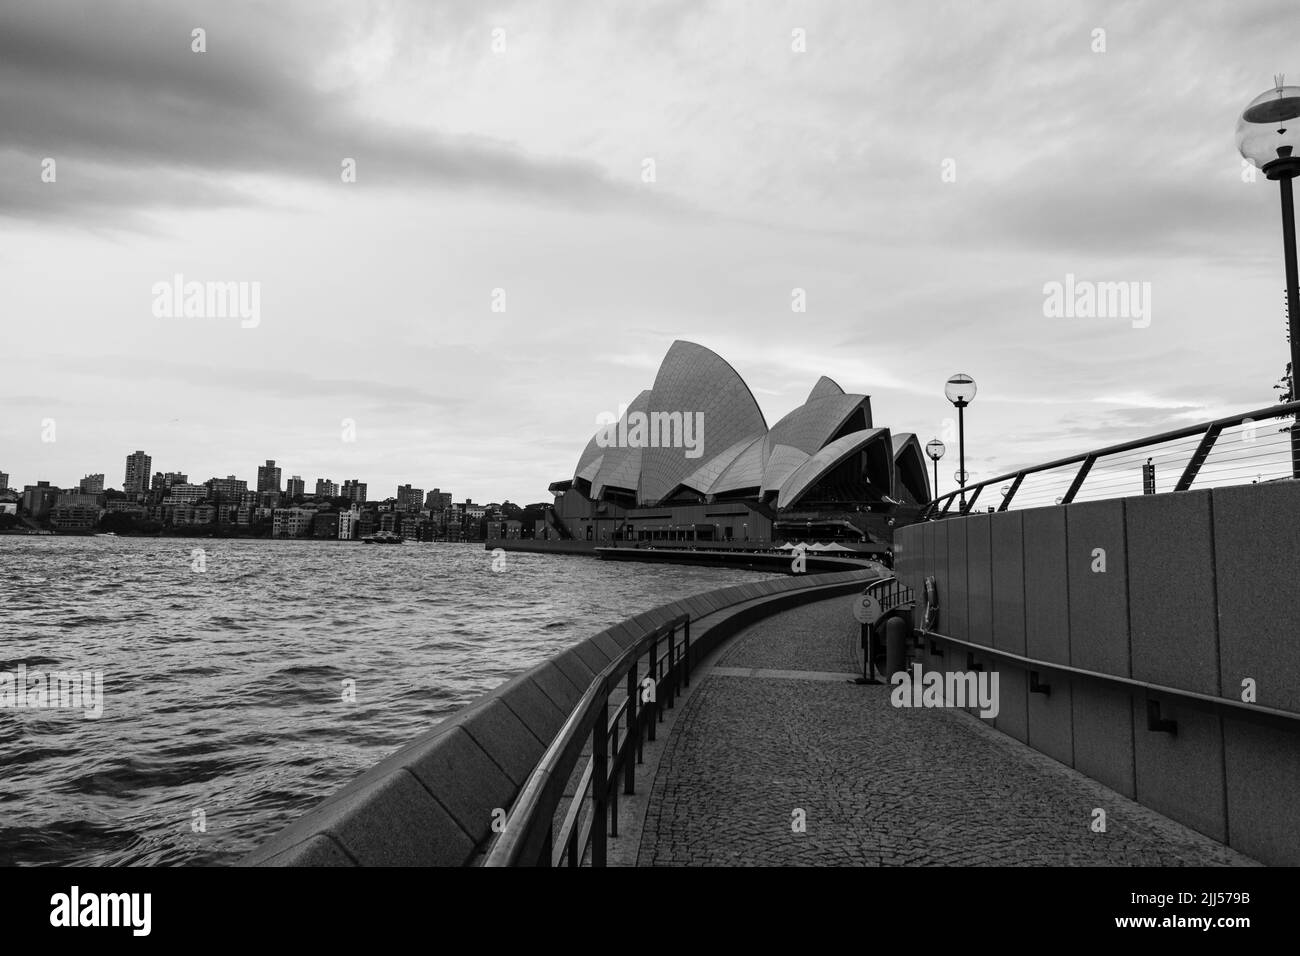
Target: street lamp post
{"points": [[935, 449], [960, 390], [1268, 133]]}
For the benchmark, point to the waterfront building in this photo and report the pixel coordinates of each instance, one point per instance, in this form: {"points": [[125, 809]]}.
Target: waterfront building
{"points": [[268, 477], [291, 522], [189, 515], [325, 525], [135, 482], [74, 517], [509, 528], [77, 499], [92, 485], [348, 523], [39, 498], [692, 459]]}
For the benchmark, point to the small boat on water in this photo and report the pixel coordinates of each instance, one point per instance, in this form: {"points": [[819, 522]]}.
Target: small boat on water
{"points": [[383, 537]]}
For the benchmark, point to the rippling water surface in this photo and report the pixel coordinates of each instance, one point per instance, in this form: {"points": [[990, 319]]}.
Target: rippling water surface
{"points": [[223, 689]]}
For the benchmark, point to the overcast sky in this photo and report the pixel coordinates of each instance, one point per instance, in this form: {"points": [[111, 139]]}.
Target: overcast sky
{"points": [[515, 160]]}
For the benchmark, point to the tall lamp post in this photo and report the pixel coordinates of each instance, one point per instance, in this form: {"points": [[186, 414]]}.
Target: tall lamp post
{"points": [[935, 449], [1268, 133], [960, 390]]}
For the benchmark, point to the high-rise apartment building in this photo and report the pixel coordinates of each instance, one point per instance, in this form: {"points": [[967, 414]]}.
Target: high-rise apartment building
{"points": [[229, 489], [268, 477], [409, 498], [295, 486], [136, 481], [437, 500], [4, 480], [355, 490], [92, 485], [326, 488]]}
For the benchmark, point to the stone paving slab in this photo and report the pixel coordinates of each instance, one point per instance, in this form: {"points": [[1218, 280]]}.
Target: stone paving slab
{"points": [[751, 757], [838, 676]]}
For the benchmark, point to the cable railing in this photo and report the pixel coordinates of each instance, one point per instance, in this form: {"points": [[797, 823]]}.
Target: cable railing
{"points": [[617, 737], [1250, 447]]}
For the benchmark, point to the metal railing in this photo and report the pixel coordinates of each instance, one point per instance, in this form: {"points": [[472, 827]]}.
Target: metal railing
{"points": [[891, 593], [1197, 453], [1039, 670], [529, 837]]}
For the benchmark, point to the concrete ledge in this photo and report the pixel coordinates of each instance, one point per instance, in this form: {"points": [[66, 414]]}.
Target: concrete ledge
{"points": [[1190, 591], [432, 802]]}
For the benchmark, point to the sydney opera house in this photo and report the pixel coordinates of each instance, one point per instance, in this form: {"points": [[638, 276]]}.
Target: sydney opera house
{"points": [[693, 461]]}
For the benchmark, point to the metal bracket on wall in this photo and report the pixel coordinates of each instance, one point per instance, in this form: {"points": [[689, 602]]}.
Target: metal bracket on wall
{"points": [[1037, 688], [1155, 723]]}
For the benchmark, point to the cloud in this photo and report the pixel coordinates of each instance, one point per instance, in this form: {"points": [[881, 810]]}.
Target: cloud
{"points": [[135, 119]]}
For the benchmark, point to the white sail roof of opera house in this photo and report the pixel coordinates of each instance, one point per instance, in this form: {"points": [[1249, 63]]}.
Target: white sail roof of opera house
{"points": [[695, 380], [811, 471], [736, 454]]}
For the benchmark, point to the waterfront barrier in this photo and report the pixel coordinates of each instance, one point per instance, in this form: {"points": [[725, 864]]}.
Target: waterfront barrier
{"points": [[453, 796], [1149, 642], [1233, 450]]}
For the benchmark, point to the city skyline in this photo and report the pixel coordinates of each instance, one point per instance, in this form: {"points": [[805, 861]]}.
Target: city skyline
{"points": [[505, 267], [106, 484]]}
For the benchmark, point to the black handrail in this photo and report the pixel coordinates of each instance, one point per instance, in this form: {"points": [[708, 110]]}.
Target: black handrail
{"points": [[1220, 706], [1209, 430], [528, 837]]}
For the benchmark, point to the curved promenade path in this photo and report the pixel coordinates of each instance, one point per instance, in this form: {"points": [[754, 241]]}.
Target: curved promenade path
{"points": [[772, 725]]}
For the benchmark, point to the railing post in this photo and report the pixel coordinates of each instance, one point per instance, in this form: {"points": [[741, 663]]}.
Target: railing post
{"points": [[652, 671], [599, 784], [1011, 492], [672, 666], [1198, 458], [1078, 479], [612, 786], [687, 651], [633, 726]]}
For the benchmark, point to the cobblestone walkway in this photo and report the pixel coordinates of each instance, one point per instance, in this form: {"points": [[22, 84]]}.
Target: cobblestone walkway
{"points": [[876, 785]]}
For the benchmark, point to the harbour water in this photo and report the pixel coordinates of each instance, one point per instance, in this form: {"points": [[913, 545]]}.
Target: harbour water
{"points": [[226, 665]]}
